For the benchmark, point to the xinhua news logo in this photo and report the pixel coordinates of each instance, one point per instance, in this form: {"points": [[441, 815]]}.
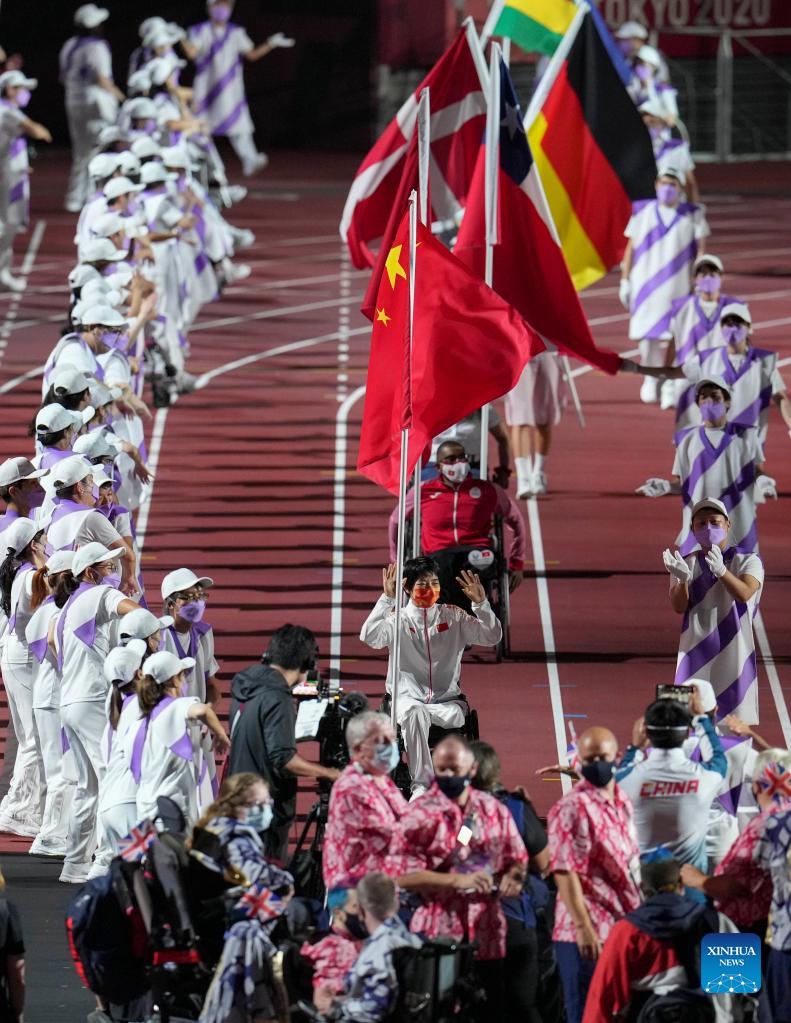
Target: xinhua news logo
{"points": [[730, 964]]}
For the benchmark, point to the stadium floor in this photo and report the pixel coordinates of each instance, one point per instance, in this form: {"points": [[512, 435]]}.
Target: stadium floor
{"points": [[255, 485]]}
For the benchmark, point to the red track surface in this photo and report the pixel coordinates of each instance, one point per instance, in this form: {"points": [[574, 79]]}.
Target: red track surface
{"points": [[244, 488]]}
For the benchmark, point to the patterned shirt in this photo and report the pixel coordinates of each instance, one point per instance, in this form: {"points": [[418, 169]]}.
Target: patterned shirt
{"points": [[771, 854], [332, 958], [371, 985], [438, 834], [596, 838], [740, 864], [363, 814]]}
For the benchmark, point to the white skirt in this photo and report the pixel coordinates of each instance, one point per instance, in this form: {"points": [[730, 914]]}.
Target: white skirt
{"points": [[540, 394]]}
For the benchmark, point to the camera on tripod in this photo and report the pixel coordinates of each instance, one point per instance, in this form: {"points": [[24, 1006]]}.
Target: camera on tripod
{"points": [[331, 735]]}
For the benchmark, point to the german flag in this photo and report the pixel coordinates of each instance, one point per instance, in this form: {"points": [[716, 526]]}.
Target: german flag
{"points": [[592, 150]]}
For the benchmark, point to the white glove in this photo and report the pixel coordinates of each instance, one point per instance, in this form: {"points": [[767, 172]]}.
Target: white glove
{"points": [[765, 487], [715, 562], [176, 31], [280, 41], [625, 293], [676, 566], [654, 487]]}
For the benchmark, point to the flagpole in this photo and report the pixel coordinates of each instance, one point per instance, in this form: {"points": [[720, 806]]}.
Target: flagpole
{"points": [[423, 129], [489, 25], [566, 368], [396, 655], [555, 63], [491, 204], [477, 53]]}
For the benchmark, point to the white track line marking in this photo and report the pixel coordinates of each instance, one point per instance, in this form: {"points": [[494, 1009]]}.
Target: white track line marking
{"points": [[270, 314], [339, 528], [16, 296], [545, 611], [31, 374], [157, 437], [774, 679]]}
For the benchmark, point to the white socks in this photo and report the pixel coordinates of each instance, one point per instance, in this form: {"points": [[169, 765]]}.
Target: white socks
{"points": [[538, 463], [523, 467]]}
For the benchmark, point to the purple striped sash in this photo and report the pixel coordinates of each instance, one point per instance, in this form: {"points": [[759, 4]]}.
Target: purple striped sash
{"points": [[38, 646], [733, 694], [68, 58], [704, 462], [708, 648], [19, 145], [62, 622], [750, 415], [219, 86], [203, 63], [682, 258], [181, 748], [224, 126], [703, 327]]}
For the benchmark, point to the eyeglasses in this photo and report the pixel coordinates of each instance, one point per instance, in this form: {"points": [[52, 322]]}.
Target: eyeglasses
{"points": [[185, 598]]}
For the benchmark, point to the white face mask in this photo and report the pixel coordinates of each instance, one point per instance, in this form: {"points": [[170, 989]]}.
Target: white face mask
{"points": [[457, 472]]}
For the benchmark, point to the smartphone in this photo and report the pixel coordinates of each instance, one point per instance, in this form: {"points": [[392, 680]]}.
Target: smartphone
{"points": [[681, 693]]}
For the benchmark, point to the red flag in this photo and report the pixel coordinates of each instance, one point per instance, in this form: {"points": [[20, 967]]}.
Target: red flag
{"points": [[468, 347], [458, 111], [529, 270]]}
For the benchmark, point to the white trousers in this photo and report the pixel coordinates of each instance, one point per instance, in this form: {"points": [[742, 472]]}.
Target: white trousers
{"points": [[244, 146], [24, 799], [59, 790], [115, 823], [83, 134], [415, 719], [84, 724]]}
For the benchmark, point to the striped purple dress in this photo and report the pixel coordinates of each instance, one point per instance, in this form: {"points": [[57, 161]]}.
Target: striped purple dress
{"points": [[219, 77]]}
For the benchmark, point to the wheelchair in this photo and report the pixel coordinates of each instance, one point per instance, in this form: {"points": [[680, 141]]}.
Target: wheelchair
{"points": [[436, 733], [495, 582]]}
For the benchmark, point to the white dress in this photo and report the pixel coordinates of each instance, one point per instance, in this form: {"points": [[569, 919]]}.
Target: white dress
{"points": [[219, 77], [539, 395]]}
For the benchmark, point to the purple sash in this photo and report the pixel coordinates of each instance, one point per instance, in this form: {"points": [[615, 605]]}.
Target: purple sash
{"points": [[196, 631], [87, 635], [181, 748], [217, 44], [38, 647]]}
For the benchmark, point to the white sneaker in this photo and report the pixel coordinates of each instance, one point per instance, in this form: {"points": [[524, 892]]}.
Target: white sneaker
{"points": [[235, 193], [243, 238], [648, 392], [47, 847], [538, 482], [524, 487], [667, 395], [74, 873], [16, 826], [11, 283], [235, 272], [256, 165]]}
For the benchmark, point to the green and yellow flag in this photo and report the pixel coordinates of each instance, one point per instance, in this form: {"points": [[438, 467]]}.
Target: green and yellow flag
{"points": [[535, 25]]}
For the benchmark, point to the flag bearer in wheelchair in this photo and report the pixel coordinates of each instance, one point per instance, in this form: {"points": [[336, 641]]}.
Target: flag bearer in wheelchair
{"points": [[433, 640], [457, 519]]}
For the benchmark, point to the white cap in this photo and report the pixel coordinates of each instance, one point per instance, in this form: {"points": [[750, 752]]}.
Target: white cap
{"points": [[183, 579], [708, 698], [121, 277], [670, 171], [69, 471], [709, 502], [154, 173], [60, 561], [176, 156], [715, 382], [119, 186], [161, 68], [101, 395], [101, 250], [14, 470], [654, 108], [138, 82], [108, 135], [103, 165], [105, 225], [19, 534], [141, 623], [631, 30], [121, 664], [145, 147], [94, 444], [16, 78], [150, 23], [739, 309], [89, 15], [93, 554], [164, 666], [54, 418], [707, 257], [142, 107], [81, 274], [103, 316], [100, 477], [69, 380], [160, 36], [129, 163], [648, 55]]}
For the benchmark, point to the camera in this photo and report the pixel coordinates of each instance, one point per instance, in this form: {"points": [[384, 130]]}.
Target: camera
{"points": [[342, 707]]}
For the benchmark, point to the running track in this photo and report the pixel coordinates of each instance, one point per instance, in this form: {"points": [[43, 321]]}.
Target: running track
{"points": [[255, 483]]}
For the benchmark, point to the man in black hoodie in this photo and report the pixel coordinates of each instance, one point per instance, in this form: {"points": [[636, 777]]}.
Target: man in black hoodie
{"points": [[263, 717]]}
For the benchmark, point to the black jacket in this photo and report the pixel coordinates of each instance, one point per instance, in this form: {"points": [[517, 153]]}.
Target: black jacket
{"points": [[263, 717]]}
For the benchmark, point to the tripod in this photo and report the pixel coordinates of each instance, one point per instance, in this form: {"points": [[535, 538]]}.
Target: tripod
{"points": [[305, 863]]}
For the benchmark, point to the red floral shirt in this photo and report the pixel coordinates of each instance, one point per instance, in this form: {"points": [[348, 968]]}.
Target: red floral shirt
{"points": [[332, 958], [596, 838], [738, 863], [363, 814], [430, 838]]}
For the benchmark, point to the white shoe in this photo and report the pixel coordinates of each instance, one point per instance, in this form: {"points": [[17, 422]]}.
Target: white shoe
{"points": [[236, 272], [15, 826], [11, 283], [74, 874], [235, 193], [648, 392], [524, 487], [538, 482], [243, 238], [47, 847], [667, 395], [256, 165]]}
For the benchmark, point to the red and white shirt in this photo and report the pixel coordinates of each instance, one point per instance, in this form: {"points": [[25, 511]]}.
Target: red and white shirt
{"points": [[332, 958], [739, 863], [438, 834], [596, 838]]}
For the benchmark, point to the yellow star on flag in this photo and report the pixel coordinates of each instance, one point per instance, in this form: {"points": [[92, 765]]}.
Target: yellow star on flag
{"points": [[393, 267], [382, 317]]}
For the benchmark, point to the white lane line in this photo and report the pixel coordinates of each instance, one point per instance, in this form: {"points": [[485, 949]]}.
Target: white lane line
{"points": [[344, 312], [157, 436], [306, 240], [31, 374], [339, 528], [774, 679], [16, 297], [270, 314], [548, 632], [292, 346]]}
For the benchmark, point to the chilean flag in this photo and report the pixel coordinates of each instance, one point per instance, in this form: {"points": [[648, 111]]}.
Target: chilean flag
{"points": [[458, 113], [529, 269]]}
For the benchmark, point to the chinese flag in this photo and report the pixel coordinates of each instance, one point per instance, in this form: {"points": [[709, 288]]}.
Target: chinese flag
{"points": [[468, 347]]}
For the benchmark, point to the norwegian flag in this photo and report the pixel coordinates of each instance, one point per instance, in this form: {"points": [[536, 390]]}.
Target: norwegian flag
{"points": [[137, 842], [261, 903], [458, 114]]}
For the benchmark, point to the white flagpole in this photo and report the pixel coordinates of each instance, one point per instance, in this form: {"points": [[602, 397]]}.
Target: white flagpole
{"points": [[477, 53], [565, 366], [396, 654], [551, 73], [423, 129], [491, 201], [489, 25]]}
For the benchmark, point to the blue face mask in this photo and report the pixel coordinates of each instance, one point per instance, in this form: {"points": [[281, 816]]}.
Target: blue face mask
{"points": [[386, 756], [259, 816]]}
